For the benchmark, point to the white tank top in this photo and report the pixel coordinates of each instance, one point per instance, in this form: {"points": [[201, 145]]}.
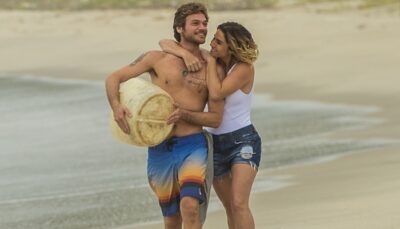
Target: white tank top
{"points": [[236, 111]]}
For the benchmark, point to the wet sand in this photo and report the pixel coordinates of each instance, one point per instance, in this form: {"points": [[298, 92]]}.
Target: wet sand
{"points": [[348, 57]]}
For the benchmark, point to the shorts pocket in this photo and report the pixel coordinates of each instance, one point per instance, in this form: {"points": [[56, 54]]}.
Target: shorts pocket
{"points": [[247, 138]]}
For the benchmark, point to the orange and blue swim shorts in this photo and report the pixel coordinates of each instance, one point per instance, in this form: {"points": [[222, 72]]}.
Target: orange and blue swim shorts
{"points": [[176, 168]]}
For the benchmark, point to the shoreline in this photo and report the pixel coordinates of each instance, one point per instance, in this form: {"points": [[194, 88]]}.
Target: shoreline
{"points": [[341, 58], [286, 179], [298, 176]]}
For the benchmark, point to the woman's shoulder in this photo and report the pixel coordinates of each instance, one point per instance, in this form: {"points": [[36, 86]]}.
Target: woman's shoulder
{"points": [[243, 67]]}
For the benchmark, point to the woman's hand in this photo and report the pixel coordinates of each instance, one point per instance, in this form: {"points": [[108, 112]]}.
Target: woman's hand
{"points": [[192, 63], [207, 56]]}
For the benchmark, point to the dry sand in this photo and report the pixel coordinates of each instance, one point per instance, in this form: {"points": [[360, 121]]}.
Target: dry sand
{"points": [[340, 57]]}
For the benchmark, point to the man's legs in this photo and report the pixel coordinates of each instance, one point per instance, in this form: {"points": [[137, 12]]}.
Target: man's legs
{"points": [[162, 179], [173, 222], [191, 176], [190, 213]]}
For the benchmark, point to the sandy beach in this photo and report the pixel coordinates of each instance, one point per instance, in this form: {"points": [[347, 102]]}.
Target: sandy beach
{"points": [[341, 57]]}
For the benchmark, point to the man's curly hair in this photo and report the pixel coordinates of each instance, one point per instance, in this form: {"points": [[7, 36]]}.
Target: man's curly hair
{"points": [[185, 10]]}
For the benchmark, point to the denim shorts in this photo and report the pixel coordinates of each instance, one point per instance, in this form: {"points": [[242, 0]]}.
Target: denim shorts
{"points": [[242, 146]]}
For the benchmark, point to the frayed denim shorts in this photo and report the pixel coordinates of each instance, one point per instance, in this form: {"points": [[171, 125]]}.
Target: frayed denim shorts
{"points": [[242, 146]]}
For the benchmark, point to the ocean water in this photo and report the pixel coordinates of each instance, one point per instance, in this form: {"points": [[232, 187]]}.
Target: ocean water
{"points": [[60, 167]]}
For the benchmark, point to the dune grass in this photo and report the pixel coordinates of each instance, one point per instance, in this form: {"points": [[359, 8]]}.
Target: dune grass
{"points": [[377, 3], [125, 4], [212, 4]]}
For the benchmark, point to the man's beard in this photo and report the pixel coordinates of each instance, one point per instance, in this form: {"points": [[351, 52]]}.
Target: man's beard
{"points": [[192, 38]]}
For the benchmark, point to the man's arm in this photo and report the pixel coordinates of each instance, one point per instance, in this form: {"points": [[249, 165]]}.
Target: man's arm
{"points": [[211, 118], [142, 64]]}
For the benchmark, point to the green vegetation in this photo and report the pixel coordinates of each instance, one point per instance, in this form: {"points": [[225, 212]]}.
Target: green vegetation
{"points": [[320, 1], [68, 4], [375, 3], [212, 4], [360, 3], [124, 4]]}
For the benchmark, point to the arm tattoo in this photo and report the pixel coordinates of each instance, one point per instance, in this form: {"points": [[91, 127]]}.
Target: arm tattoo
{"points": [[138, 59]]}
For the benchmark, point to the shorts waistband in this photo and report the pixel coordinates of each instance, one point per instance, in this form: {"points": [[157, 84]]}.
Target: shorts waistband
{"points": [[188, 139], [236, 134]]}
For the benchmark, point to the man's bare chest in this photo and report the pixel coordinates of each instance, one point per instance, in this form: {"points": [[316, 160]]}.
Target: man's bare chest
{"points": [[174, 77]]}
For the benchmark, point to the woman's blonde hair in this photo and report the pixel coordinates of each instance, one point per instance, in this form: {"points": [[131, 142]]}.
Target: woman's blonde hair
{"points": [[240, 42]]}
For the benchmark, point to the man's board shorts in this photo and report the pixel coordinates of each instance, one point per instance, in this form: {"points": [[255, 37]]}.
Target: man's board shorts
{"points": [[177, 168], [242, 146]]}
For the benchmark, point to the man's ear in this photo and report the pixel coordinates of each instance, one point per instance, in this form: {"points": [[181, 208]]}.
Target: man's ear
{"points": [[179, 29]]}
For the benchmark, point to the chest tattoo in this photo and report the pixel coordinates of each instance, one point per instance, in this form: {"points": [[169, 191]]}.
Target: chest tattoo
{"points": [[197, 81], [185, 72]]}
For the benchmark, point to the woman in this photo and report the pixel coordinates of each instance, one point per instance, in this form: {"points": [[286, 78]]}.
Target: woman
{"points": [[237, 145]]}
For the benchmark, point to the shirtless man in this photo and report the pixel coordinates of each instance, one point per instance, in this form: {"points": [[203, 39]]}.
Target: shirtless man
{"points": [[176, 167]]}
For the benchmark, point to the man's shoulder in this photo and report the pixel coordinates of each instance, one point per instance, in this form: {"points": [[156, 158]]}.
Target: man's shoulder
{"points": [[151, 57], [155, 54]]}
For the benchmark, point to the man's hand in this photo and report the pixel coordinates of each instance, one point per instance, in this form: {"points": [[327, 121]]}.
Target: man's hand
{"points": [[120, 112], [192, 62], [176, 115]]}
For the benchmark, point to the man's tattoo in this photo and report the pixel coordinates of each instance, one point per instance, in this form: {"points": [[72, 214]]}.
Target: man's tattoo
{"points": [[185, 72], [138, 59], [197, 81]]}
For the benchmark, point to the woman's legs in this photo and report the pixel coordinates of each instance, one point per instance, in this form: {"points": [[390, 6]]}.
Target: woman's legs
{"points": [[242, 180], [237, 154], [222, 186], [234, 192]]}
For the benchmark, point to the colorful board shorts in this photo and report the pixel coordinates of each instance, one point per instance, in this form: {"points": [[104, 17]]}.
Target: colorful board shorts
{"points": [[176, 168], [242, 146]]}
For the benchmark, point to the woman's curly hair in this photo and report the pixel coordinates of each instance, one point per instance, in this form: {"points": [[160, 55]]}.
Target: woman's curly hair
{"points": [[240, 42]]}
